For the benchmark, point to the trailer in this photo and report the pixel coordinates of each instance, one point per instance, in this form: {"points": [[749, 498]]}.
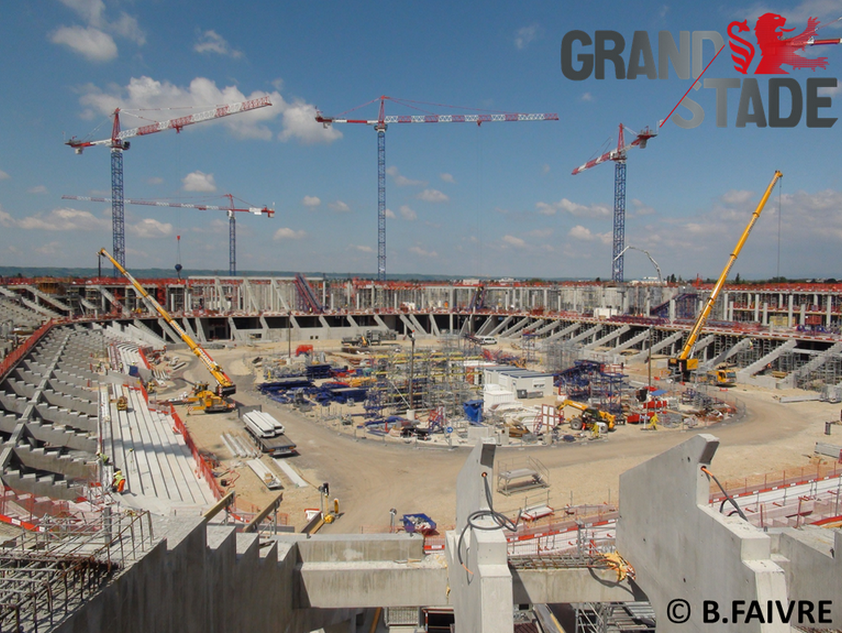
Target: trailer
{"points": [[277, 446], [268, 433]]}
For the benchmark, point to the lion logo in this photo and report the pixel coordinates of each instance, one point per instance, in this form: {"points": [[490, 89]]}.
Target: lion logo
{"points": [[775, 51]]}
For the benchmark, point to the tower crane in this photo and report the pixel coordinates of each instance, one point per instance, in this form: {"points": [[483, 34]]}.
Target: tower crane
{"points": [[380, 125], [118, 142], [232, 222], [618, 155]]}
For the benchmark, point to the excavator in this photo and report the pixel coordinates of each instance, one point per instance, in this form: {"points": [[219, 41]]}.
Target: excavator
{"points": [[683, 366], [203, 398], [588, 417]]}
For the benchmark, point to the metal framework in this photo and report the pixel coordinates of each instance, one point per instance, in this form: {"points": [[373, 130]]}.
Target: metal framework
{"points": [[230, 209], [380, 125], [618, 155], [118, 143]]}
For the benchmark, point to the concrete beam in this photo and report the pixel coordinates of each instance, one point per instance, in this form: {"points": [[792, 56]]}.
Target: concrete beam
{"points": [[682, 549]]}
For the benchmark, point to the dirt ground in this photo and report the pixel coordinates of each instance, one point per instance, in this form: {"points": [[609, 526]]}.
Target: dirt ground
{"points": [[370, 476]]}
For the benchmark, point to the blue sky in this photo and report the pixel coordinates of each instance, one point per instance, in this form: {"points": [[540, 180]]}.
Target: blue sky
{"points": [[462, 200]]}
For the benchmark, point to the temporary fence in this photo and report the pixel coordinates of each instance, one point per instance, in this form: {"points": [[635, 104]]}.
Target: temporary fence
{"points": [[773, 481], [22, 350]]}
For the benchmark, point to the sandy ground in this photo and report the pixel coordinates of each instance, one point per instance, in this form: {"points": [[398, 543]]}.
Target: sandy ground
{"points": [[370, 476]]}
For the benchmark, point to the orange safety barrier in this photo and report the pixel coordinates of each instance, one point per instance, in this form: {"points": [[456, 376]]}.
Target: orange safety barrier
{"points": [[22, 350]]}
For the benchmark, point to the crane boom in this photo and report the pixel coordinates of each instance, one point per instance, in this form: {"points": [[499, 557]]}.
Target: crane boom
{"points": [[225, 387], [683, 362], [118, 135], [180, 205]]}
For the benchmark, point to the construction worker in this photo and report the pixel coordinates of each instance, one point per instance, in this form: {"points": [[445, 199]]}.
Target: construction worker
{"points": [[118, 484], [105, 459]]}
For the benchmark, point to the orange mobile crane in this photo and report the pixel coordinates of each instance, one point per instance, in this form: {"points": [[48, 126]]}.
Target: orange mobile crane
{"points": [[682, 364], [208, 401]]}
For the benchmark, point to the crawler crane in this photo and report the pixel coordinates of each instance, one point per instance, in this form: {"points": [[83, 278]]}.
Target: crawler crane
{"points": [[682, 364], [207, 400]]}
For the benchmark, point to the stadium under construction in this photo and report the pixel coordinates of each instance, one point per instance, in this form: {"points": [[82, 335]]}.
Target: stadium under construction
{"points": [[175, 552]]}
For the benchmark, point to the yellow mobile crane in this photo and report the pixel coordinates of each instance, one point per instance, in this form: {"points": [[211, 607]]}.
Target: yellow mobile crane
{"points": [[683, 364], [209, 401]]}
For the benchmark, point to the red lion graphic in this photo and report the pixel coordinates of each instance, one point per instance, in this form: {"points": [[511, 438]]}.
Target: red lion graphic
{"points": [[742, 51], [776, 51]]}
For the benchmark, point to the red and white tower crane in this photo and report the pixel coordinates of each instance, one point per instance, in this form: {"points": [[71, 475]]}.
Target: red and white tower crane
{"points": [[231, 209], [119, 143], [382, 122], [618, 155]]}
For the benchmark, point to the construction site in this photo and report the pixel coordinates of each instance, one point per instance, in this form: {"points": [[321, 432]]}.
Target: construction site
{"points": [[304, 453]]}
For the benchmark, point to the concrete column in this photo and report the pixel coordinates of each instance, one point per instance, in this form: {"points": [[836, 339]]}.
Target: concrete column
{"points": [[828, 312], [672, 310], [802, 319], [765, 313], [789, 311], [756, 307]]}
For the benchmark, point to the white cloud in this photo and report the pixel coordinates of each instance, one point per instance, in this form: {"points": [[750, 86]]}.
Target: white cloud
{"points": [[736, 196], [63, 219], [94, 41], [149, 227], [578, 210], [407, 213], [584, 234], [311, 201], [4, 175], [586, 96], [37, 189], [511, 240], [299, 120], [525, 35], [433, 195], [53, 248], [364, 249], [422, 252], [144, 93], [212, 42], [339, 206], [641, 209], [390, 214], [155, 180], [199, 181], [545, 169], [89, 42], [402, 181], [286, 233], [448, 178]]}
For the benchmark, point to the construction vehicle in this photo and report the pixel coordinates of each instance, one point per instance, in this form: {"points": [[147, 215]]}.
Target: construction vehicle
{"points": [[209, 401], [722, 376], [683, 365], [588, 417]]}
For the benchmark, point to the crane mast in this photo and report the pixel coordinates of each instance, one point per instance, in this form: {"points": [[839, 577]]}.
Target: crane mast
{"points": [[683, 363], [225, 387], [380, 125], [619, 155]]}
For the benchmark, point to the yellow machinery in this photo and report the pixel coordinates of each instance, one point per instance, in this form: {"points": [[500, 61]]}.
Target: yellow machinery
{"points": [[208, 401], [588, 417], [721, 377], [683, 364]]}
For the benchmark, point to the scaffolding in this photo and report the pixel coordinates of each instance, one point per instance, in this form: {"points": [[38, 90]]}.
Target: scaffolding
{"points": [[561, 355], [45, 576], [424, 380]]}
